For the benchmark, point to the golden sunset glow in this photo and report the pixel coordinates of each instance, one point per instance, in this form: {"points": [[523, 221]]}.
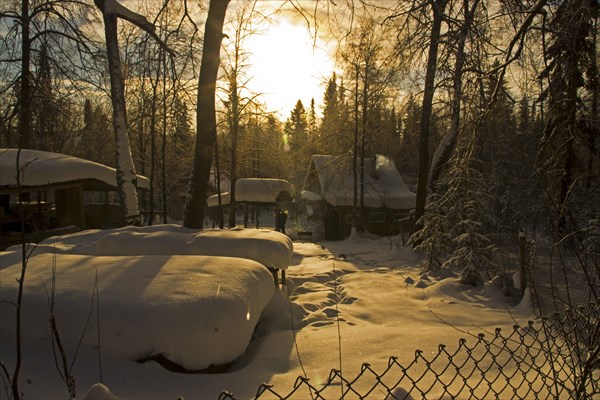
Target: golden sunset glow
{"points": [[287, 65]]}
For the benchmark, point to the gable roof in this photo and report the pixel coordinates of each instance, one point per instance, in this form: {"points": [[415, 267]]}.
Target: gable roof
{"points": [[44, 168], [330, 178], [256, 190]]}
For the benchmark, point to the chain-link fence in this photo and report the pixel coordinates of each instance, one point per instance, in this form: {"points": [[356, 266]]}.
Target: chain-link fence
{"points": [[561, 278], [557, 357]]}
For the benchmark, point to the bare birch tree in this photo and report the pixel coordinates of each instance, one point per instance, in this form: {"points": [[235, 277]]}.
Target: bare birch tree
{"points": [[126, 175]]}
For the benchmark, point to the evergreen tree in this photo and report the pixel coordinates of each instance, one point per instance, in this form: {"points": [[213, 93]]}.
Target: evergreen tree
{"points": [[470, 218], [179, 146], [299, 125], [434, 238], [496, 138], [312, 122], [274, 158], [96, 139], [524, 117], [520, 190], [497, 124], [570, 69], [296, 128], [331, 118], [409, 137], [182, 130], [52, 127]]}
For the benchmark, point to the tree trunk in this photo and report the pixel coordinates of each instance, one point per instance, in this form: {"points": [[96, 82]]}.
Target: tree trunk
{"points": [[25, 95], [355, 153], [595, 124], [153, 110], [164, 137], [206, 125], [444, 150], [569, 147], [234, 138], [218, 184], [365, 107], [126, 176], [438, 9]]}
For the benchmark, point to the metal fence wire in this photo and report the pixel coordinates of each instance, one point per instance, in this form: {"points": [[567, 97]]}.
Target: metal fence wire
{"points": [[557, 357]]}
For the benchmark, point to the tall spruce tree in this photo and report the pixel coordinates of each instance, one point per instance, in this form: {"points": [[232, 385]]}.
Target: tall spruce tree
{"points": [[299, 126], [330, 125]]}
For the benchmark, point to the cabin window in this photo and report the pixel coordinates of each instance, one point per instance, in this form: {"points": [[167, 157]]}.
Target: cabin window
{"points": [[376, 217]]}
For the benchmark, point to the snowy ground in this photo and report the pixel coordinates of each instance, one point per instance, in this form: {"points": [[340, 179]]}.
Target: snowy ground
{"points": [[386, 307]]}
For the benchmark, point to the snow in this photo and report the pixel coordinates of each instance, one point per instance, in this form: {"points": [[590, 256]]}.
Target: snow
{"points": [[206, 308], [383, 184], [387, 307], [46, 168], [255, 190], [268, 247]]}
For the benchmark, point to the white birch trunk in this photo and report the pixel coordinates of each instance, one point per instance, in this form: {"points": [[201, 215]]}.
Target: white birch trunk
{"points": [[126, 176]]}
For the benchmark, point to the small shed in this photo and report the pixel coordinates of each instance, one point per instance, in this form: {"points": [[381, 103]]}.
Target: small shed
{"points": [[329, 194], [53, 188], [259, 192]]}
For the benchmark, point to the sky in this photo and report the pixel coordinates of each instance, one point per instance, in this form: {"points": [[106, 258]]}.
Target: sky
{"points": [[287, 64], [284, 60], [155, 295]]}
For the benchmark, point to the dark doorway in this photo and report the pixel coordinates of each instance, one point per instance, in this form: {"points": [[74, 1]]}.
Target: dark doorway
{"points": [[332, 224]]}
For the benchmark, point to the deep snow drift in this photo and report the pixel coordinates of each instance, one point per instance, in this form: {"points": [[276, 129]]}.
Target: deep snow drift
{"points": [[373, 288]]}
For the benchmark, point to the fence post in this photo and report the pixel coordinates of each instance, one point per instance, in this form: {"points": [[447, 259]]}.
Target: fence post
{"points": [[522, 262]]}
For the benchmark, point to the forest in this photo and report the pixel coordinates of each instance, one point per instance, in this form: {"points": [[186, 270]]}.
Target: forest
{"points": [[488, 108]]}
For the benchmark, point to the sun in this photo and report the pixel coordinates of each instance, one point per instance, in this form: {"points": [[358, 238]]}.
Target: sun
{"points": [[287, 64]]}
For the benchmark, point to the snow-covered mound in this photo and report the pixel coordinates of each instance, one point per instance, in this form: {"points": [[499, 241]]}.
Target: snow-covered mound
{"points": [[270, 248], [194, 311]]}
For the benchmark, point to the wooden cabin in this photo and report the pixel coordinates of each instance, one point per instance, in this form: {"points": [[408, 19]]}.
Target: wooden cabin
{"points": [[329, 196], [55, 193]]}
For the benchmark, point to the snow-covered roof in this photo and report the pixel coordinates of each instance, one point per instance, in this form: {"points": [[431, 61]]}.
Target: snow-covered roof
{"points": [[255, 190], [331, 178], [41, 168]]}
